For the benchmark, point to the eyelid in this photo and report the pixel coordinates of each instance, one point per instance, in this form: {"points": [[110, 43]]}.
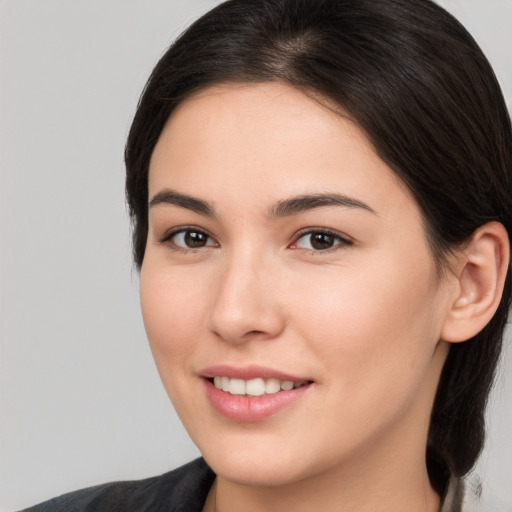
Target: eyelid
{"points": [[169, 234], [343, 239]]}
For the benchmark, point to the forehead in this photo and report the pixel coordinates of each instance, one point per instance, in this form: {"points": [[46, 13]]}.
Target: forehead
{"points": [[267, 140]]}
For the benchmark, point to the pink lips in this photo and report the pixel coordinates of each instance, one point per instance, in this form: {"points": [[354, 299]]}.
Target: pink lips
{"points": [[250, 409], [248, 372]]}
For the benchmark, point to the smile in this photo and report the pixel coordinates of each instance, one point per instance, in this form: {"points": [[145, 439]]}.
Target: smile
{"points": [[255, 387], [253, 393]]}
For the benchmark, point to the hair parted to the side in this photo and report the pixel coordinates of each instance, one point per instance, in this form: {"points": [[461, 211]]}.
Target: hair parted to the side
{"points": [[416, 82]]}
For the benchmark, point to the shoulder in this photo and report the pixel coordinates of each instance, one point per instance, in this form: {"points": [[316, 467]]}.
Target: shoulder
{"points": [[183, 489]]}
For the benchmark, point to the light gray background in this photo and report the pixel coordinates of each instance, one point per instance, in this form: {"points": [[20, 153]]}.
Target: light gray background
{"points": [[81, 402]]}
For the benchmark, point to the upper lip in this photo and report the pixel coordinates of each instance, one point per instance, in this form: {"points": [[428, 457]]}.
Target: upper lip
{"points": [[248, 373]]}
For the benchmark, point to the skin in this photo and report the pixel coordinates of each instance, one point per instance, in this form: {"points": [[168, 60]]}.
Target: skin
{"points": [[362, 319]]}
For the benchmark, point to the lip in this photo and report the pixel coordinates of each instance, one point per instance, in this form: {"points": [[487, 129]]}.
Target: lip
{"points": [[251, 409], [249, 372]]}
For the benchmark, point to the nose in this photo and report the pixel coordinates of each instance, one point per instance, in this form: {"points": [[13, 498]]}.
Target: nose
{"points": [[245, 304]]}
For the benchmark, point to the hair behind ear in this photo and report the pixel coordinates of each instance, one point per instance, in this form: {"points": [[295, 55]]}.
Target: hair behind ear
{"points": [[457, 427], [474, 327]]}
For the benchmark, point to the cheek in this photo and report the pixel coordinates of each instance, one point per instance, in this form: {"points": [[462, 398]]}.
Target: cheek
{"points": [[372, 322], [376, 345], [171, 304]]}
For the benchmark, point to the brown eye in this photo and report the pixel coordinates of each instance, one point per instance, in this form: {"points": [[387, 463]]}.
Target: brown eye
{"points": [[320, 241], [191, 239], [194, 239]]}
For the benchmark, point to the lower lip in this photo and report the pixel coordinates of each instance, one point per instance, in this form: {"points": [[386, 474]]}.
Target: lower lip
{"points": [[251, 409]]}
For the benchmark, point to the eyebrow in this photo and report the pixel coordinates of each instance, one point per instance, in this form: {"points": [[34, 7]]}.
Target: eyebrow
{"points": [[299, 204], [169, 196], [283, 208]]}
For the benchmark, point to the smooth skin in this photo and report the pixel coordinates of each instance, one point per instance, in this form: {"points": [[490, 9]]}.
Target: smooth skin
{"points": [[346, 294]]}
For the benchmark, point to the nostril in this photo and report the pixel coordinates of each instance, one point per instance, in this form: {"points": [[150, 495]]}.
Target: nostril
{"points": [[252, 333]]}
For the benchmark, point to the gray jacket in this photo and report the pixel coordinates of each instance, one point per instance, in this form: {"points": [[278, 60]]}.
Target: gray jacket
{"points": [[181, 490]]}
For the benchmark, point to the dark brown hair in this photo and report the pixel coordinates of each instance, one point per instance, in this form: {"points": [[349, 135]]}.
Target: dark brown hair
{"points": [[416, 82]]}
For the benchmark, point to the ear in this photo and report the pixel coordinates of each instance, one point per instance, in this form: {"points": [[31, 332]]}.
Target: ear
{"points": [[480, 274]]}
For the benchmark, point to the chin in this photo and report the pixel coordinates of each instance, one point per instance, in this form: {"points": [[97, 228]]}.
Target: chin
{"points": [[255, 472], [263, 460]]}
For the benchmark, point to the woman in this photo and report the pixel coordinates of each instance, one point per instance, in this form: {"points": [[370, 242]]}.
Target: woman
{"points": [[321, 199]]}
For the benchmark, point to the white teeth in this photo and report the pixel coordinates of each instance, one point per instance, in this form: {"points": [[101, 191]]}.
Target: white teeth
{"points": [[286, 385], [236, 386], [255, 387], [272, 386], [224, 384]]}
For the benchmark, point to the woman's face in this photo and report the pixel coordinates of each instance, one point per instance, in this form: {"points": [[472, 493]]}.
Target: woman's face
{"points": [[282, 249]]}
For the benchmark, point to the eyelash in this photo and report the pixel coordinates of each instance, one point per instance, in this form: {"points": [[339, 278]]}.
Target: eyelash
{"points": [[339, 241], [168, 238]]}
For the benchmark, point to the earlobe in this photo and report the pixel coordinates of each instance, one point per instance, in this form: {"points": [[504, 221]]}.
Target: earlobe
{"points": [[481, 273]]}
